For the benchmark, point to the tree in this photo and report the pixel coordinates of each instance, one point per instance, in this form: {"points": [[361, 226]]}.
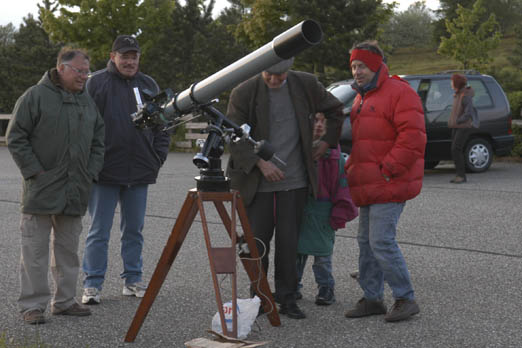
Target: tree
{"points": [[447, 11], [343, 23], [7, 33], [507, 12], [410, 28], [24, 61], [516, 56], [470, 39], [94, 24], [179, 56]]}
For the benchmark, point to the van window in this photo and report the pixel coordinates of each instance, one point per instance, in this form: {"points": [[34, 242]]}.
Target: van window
{"points": [[414, 83], [482, 99], [439, 95]]}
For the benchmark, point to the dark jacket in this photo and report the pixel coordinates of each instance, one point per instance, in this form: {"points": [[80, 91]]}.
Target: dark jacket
{"points": [[463, 113], [56, 139], [249, 104], [132, 156], [389, 137]]}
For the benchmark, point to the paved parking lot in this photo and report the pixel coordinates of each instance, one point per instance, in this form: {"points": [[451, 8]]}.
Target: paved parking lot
{"points": [[462, 243]]}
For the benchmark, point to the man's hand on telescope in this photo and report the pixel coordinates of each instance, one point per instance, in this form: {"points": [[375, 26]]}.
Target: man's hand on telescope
{"points": [[270, 171], [320, 150]]}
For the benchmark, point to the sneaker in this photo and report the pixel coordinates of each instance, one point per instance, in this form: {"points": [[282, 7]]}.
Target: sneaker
{"points": [[76, 310], [291, 310], [458, 180], [34, 316], [91, 296], [325, 297], [136, 289], [364, 308], [402, 309]]}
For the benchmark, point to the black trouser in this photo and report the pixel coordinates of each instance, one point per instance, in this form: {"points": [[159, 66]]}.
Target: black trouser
{"points": [[282, 210], [459, 136]]}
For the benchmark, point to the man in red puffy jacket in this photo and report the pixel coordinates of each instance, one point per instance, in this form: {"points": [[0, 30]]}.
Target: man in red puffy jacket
{"points": [[385, 169]]}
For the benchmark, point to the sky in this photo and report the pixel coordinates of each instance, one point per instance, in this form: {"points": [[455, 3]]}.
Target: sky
{"points": [[16, 10]]}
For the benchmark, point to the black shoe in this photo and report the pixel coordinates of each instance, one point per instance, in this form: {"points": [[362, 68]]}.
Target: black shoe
{"points": [[364, 308], [325, 297], [402, 309], [458, 180], [298, 295], [292, 311]]}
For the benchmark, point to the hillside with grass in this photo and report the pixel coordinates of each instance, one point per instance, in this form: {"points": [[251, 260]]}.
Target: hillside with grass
{"points": [[426, 60]]}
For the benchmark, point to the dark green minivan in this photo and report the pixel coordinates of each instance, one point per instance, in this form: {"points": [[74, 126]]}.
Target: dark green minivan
{"points": [[493, 137]]}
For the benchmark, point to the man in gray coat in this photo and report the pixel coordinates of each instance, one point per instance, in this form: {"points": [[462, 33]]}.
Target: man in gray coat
{"points": [[280, 105], [56, 139]]}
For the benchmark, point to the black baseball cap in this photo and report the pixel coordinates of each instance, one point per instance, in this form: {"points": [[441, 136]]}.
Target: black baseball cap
{"points": [[125, 43]]}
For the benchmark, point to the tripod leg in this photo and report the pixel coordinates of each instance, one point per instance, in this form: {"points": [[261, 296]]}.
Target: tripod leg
{"points": [[253, 266], [177, 236], [222, 261]]}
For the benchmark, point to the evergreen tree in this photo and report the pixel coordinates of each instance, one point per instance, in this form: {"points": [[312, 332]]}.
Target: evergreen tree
{"points": [[343, 23], [7, 33], [24, 61], [447, 12], [193, 46], [471, 39]]}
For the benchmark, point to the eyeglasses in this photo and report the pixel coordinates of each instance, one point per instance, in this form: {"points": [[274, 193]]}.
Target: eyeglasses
{"points": [[78, 71]]}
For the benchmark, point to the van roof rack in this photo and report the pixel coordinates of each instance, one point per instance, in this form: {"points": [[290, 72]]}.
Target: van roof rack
{"points": [[467, 72]]}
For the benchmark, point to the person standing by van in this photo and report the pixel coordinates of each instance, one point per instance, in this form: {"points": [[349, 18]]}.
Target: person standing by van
{"points": [[463, 117]]}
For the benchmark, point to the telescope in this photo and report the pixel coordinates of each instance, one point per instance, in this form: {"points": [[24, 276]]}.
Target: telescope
{"points": [[164, 109]]}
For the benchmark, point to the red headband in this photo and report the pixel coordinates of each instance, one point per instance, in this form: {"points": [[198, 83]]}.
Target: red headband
{"points": [[371, 59]]}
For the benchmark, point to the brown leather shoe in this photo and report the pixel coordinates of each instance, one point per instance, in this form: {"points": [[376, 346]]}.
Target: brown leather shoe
{"points": [[34, 316], [364, 308], [76, 310], [402, 309]]}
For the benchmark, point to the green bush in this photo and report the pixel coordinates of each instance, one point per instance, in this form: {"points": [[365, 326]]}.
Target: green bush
{"points": [[517, 147], [515, 102], [509, 77]]}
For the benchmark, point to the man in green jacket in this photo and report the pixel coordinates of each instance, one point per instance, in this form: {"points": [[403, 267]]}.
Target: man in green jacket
{"points": [[56, 138]]}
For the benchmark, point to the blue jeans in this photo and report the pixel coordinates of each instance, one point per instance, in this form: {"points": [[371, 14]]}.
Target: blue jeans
{"points": [[380, 258], [322, 268], [102, 204]]}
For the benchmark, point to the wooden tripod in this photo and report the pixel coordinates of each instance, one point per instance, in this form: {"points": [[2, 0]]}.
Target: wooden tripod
{"points": [[222, 260]]}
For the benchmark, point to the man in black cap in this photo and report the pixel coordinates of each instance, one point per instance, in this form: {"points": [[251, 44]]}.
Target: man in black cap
{"points": [[280, 105], [132, 160]]}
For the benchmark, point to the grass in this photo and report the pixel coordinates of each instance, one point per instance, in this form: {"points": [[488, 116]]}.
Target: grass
{"points": [[426, 60]]}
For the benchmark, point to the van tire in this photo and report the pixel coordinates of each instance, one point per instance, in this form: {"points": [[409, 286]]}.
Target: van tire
{"points": [[478, 155]]}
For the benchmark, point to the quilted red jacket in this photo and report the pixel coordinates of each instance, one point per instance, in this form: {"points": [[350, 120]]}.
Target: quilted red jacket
{"points": [[388, 137]]}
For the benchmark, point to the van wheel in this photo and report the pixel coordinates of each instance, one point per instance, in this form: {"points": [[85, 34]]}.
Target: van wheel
{"points": [[430, 164], [478, 155]]}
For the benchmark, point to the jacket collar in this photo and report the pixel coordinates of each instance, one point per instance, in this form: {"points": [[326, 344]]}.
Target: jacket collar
{"points": [[297, 97], [380, 76]]}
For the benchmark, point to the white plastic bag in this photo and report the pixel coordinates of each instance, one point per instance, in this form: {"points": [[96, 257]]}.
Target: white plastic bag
{"points": [[247, 310]]}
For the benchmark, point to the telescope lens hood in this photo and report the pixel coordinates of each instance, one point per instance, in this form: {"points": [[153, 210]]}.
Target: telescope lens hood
{"points": [[294, 40]]}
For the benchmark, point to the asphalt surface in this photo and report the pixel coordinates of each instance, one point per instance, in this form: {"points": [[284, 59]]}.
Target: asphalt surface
{"points": [[462, 243]]}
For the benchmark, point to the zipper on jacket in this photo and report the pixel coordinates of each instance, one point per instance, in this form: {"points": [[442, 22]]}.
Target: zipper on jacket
{"points": [[360, 105]]}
